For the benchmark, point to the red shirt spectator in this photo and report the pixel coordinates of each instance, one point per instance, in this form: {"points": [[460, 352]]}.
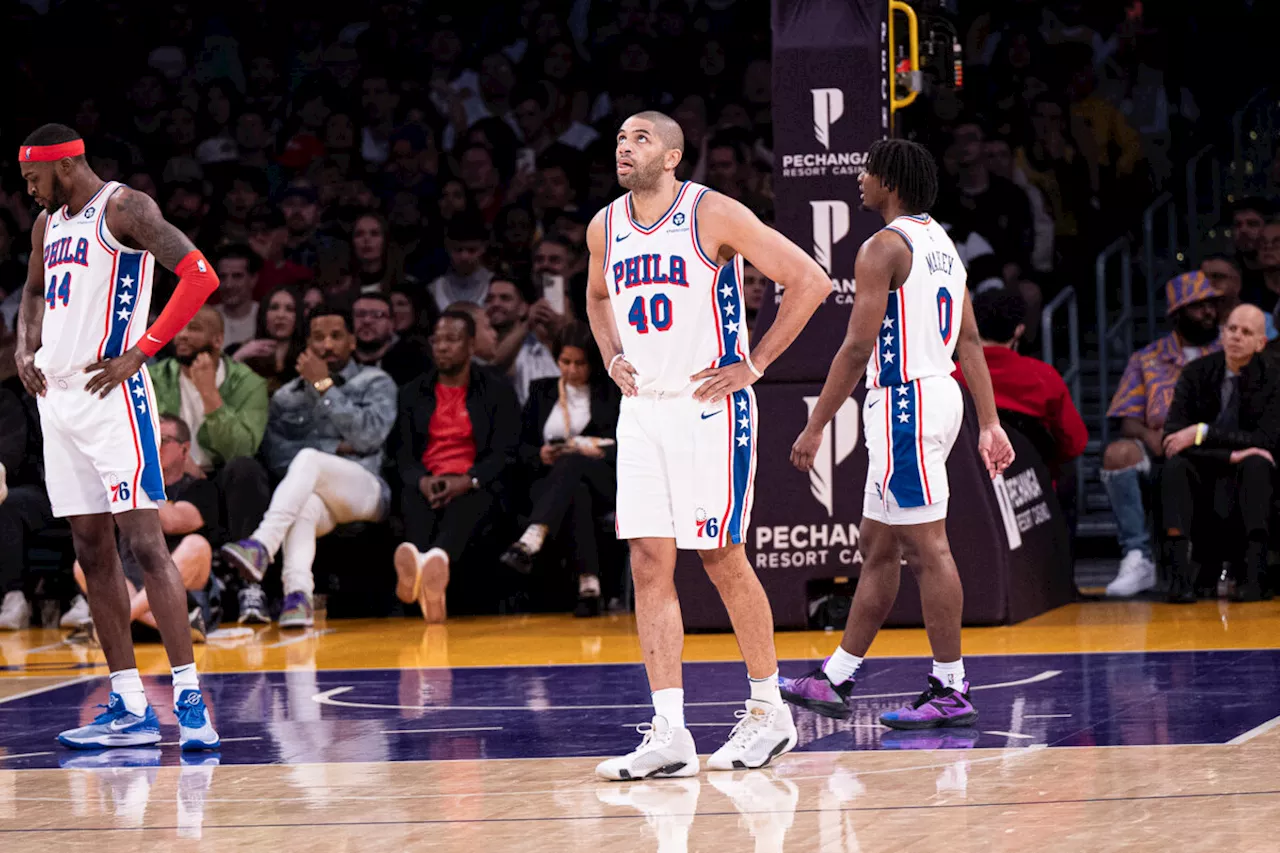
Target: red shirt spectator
{"points": [[451, 445], [1022, 384]]}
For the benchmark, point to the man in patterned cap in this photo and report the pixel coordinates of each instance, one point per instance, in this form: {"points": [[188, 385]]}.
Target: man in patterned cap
{"points": [[1141, 403]]}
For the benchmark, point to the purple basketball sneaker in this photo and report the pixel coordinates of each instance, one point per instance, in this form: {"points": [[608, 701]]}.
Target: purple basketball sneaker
{"points": [[935, 708], [815, 691]]}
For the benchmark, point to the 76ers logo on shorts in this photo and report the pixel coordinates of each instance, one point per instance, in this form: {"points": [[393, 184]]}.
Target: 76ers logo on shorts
{"points": [[119, 490], [706, 526]]}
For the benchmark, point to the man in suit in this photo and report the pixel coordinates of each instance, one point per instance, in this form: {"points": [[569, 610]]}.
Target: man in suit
{"points": [[1221, 438]]}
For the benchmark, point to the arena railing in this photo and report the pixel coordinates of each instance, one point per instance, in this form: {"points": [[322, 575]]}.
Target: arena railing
{"points": [[1065, 300], [1120, 331], [1156, 269]]}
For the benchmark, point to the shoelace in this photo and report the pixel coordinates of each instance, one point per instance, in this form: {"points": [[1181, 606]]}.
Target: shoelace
{"points": [[647, 730], [745, 729], [110, 714], [254, 597]]}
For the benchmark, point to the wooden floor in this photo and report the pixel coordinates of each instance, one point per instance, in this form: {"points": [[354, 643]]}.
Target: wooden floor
{"points": [[1222, 795]]}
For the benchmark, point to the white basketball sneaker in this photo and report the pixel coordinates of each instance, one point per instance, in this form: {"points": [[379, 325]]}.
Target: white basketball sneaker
{"points": [[664, 753], [764, 731]]}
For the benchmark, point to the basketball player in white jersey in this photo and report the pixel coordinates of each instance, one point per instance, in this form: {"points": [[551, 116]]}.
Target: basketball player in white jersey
{"points": [[665, 301], [82, 341], [911, 313]]}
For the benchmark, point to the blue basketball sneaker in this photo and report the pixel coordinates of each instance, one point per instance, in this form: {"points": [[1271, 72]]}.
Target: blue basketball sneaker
{"points": [[115, 727], [195, 732]]}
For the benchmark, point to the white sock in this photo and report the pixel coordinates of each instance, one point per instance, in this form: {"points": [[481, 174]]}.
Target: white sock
{"points": [[128, 684], [841, 666], [669, 703], [184, 678], [533, 536], [588, 586], [766, 689], [950, 674]]}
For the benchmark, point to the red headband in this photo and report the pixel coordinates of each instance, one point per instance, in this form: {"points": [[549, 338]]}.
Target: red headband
{"points": [[48, 153]]}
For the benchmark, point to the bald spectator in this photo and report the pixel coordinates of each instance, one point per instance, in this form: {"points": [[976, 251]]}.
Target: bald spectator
{"points": [[1221, 439], [223, 404], [1141, 404]]}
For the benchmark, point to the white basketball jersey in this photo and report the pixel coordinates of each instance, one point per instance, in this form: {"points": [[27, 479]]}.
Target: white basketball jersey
{"points": [[918, 333], [677, 312], [97, 291]]}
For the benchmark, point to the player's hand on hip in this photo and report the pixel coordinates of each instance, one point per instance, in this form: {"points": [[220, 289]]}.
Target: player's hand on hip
{"points": [[31, 376], [995, 449], [624, 375], [110, 372], [806, 448], [722, 381]]}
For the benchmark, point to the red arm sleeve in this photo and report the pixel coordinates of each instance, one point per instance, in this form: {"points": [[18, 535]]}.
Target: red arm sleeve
{"points": [[196, 280]]}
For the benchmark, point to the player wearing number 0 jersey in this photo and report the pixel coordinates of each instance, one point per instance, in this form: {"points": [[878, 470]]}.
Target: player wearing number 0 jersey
{"points": [[82, 342], [910, 315], [666, 308]]}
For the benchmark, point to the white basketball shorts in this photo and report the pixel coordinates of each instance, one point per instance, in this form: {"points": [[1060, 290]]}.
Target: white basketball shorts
{"points": [[686, 469], [910, 430], [101, 455]]}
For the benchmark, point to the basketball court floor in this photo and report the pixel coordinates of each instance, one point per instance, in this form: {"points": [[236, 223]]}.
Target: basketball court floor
{"points": [[1104, 726]]}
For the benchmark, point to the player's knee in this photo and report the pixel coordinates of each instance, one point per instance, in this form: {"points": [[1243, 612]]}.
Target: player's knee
{"points": [[1121, 454], [726, 566], [932, 554], [651, 564]]}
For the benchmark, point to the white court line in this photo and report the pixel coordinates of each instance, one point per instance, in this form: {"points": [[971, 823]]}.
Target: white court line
{"points": [[431, 731], [24, 755], [1011, 734], [1254, 732], [326, 698], [222, 741], [1045, 716], [306, 635], [37, 691]]}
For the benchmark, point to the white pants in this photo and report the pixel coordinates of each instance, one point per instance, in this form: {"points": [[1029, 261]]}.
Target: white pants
{"points": [[320, 492]]}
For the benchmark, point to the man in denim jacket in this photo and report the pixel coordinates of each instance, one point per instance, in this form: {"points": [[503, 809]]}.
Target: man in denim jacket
{"points": [[325, 434]]}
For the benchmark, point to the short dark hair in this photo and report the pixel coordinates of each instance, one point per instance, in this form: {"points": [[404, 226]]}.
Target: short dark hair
{"points": [[326, 309], [999, 311], [732, 141], [907, 168], [254, 177], [51, 134], [179, 425], [376, 295], [531, 91], [239, 251], [461, 316], [1258, 205]]}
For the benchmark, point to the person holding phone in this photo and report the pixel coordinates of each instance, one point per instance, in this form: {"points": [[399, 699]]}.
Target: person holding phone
{"points": [[455, 440], [568, 444]]}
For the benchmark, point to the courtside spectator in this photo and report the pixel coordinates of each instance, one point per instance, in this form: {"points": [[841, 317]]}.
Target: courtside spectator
{"points": [[325, 435], [1248, 216], [267, 237], [1221, 437], [24, 504], [568, 444], [1023, 385], [458, 434], [1141, 402]]}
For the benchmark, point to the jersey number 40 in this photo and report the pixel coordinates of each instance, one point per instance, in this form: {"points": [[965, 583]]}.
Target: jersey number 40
{"points": [[659, 314], [58, 291]]}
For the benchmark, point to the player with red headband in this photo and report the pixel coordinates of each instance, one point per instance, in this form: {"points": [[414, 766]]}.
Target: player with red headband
{"points": [[82, 345]]}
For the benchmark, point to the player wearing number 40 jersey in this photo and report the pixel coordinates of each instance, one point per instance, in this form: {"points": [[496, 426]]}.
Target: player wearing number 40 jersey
{"points": [[910, 315], [82, 341], [664, 297]]}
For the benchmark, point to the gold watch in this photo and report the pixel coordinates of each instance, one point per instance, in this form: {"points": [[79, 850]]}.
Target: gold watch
{"points": [[323, 385]]}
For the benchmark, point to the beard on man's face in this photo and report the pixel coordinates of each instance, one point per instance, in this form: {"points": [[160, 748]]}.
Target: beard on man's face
{"points": [[1195, 331], [187, 359]]}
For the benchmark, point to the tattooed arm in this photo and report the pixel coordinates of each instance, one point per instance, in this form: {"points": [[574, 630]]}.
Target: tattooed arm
{"points": [[31, 313], [136, 221]]}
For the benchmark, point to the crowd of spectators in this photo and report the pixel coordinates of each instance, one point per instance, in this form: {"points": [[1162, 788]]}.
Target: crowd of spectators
{"points": [[396, 200]]}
